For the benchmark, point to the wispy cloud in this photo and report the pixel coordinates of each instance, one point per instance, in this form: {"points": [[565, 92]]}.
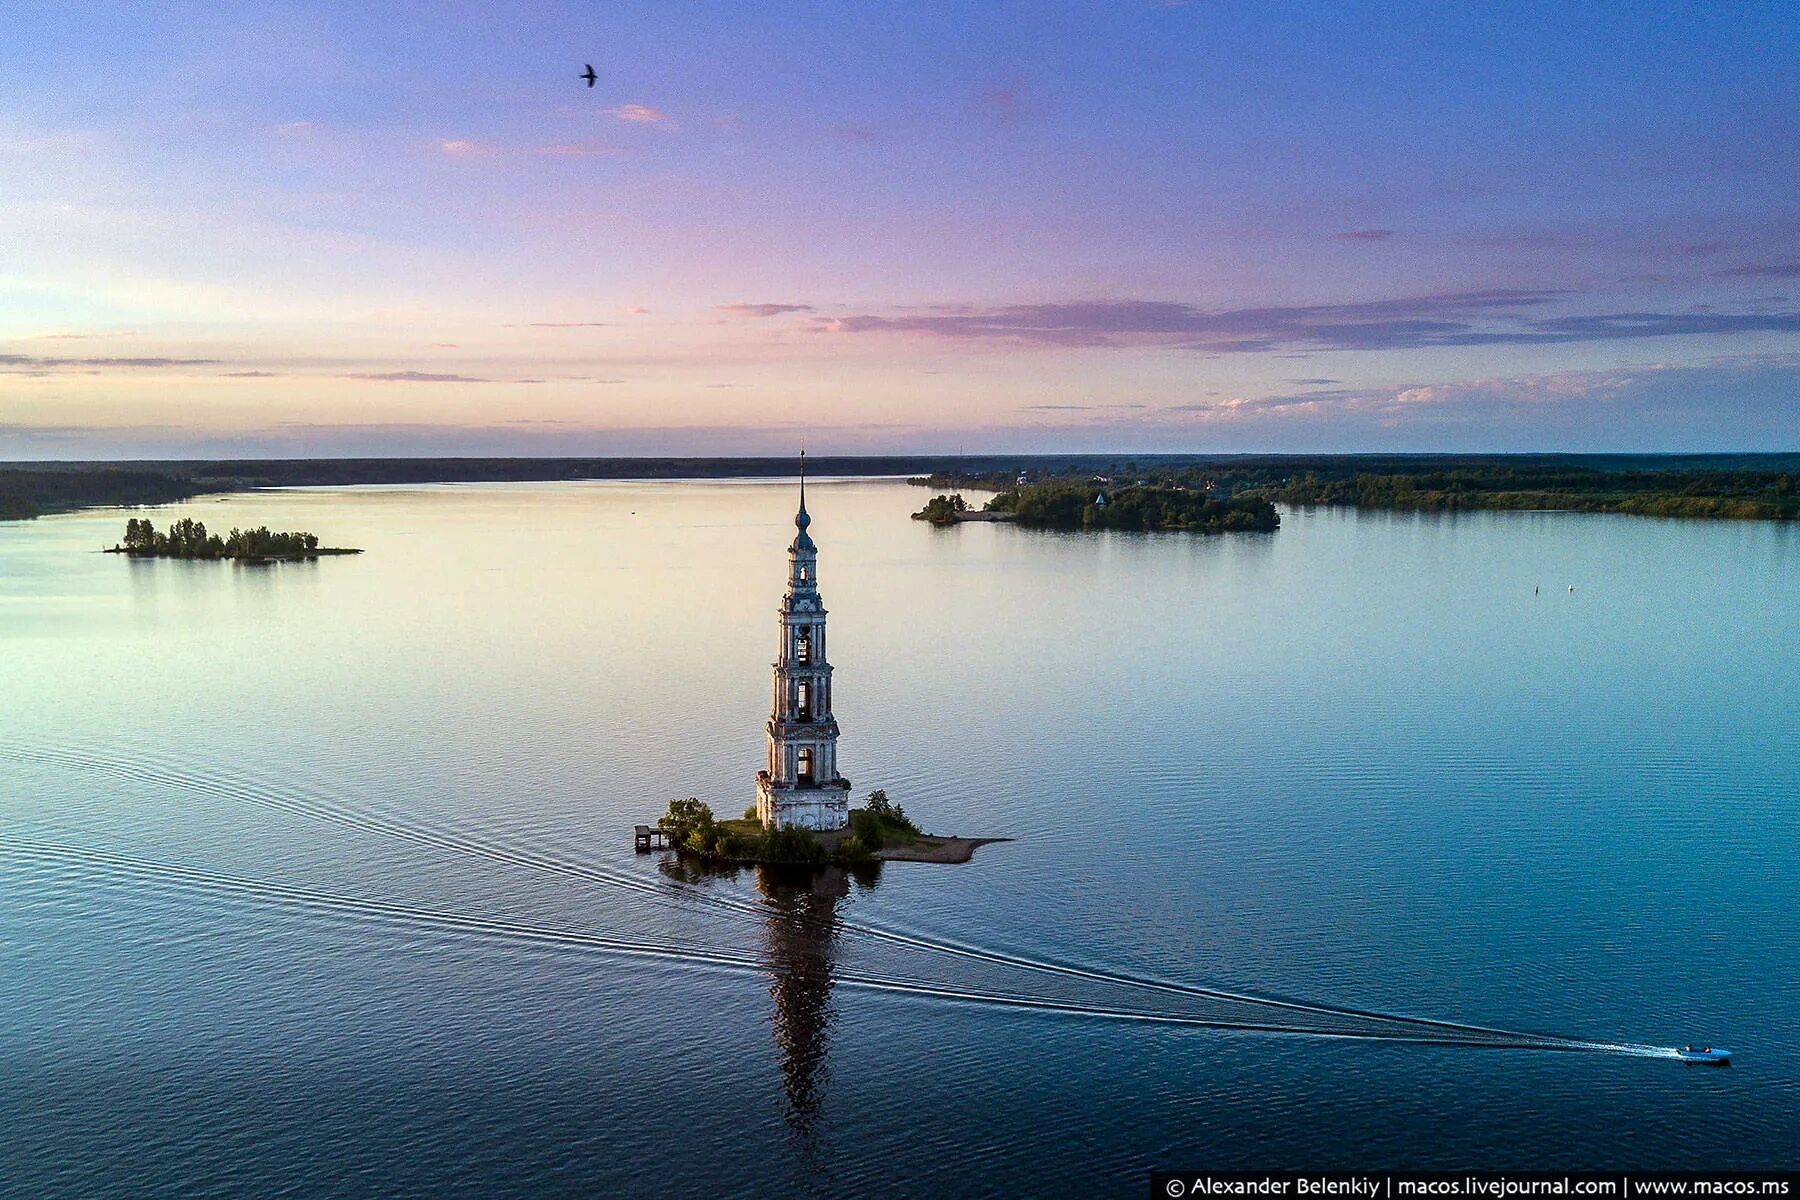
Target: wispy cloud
{"points": [[413, 377], [1731, 403], [1082, 407], [1364, 235], [1779, 270], [1004, 99], [1481, 318], [582, 149], [1722, 404], [641, 114], [31, 363], [762, 310], [458, 146]]}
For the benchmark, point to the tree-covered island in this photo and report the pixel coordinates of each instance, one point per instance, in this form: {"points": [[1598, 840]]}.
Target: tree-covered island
{"points": [[878, 831], [1141, 506], [188, 538], [1102, 504]]}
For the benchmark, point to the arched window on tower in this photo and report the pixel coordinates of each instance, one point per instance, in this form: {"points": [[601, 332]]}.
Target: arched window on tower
{"points": [[803, 648], [806, 766], [806, 697]]}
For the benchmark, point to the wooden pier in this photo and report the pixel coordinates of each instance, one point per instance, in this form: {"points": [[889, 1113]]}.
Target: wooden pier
{"points": [[648, 837]]}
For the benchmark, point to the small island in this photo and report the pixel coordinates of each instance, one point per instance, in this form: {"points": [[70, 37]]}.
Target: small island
{"points": [[880, 831], [188, 538]]}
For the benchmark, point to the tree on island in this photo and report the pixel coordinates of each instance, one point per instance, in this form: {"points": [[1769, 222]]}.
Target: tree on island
{"points": [[942, 510], [880, 822]]}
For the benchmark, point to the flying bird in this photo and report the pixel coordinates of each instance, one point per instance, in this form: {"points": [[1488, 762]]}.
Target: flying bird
{"points": [[589, 76]]}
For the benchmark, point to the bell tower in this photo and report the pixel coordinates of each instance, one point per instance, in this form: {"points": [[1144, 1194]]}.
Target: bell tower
{"points": [[800, 787]]}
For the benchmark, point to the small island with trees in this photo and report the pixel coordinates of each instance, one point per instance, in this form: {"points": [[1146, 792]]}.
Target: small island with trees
{"points": [[880, 831], [188, 538], [1100, 504]]}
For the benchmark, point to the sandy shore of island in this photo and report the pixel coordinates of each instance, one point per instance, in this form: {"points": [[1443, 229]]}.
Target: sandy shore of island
{"points": [[936, 850]]}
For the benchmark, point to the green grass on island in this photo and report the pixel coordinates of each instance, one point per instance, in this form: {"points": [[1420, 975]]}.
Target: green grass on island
{"points": [[188, 538]]}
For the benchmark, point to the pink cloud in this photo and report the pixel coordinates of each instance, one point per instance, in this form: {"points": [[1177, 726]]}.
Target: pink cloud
{"points": [[1004, 99], [643, 114], [762, 310], [413, 377], [582, 149]]}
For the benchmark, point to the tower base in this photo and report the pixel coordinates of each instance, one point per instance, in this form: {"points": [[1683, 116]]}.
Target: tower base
{"points": [[823, 807]]}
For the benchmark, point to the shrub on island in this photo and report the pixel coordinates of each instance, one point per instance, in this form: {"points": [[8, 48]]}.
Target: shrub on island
{"points": [[693, 829], [881, 822]]}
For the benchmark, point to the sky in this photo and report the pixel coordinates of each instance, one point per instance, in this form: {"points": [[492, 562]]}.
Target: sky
{"points": [[1123, 225]]}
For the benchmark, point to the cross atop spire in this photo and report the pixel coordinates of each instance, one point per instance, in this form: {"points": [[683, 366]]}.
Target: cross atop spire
{"points": [[801, 519]]}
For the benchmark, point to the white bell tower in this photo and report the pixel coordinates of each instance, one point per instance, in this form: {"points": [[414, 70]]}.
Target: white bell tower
{"points": [[800, 788]]}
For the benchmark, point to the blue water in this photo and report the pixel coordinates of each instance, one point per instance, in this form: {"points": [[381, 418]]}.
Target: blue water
{"points": [[316, 880]]}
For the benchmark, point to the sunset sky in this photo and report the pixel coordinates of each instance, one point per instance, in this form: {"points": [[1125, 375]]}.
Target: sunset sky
{"points": [[324, 229]]}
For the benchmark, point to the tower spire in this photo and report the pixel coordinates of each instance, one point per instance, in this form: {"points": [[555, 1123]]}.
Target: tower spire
{"points": [[801, 519]]}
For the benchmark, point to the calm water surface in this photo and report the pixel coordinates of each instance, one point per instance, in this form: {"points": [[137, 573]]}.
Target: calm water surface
{"points": [[317, 880]]}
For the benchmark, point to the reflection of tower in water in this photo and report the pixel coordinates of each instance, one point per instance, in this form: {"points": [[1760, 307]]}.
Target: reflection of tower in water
{"points": [[800, 936]]}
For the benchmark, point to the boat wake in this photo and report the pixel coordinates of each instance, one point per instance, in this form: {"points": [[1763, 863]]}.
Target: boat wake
{"points": [[1275, 1014], [108, 867]]}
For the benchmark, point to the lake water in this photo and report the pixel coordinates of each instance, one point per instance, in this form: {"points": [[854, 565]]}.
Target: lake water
{"points": [[317, 879]]}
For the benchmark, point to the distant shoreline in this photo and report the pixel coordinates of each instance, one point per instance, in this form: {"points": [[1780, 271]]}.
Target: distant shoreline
{"points": [[31, 489]]}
